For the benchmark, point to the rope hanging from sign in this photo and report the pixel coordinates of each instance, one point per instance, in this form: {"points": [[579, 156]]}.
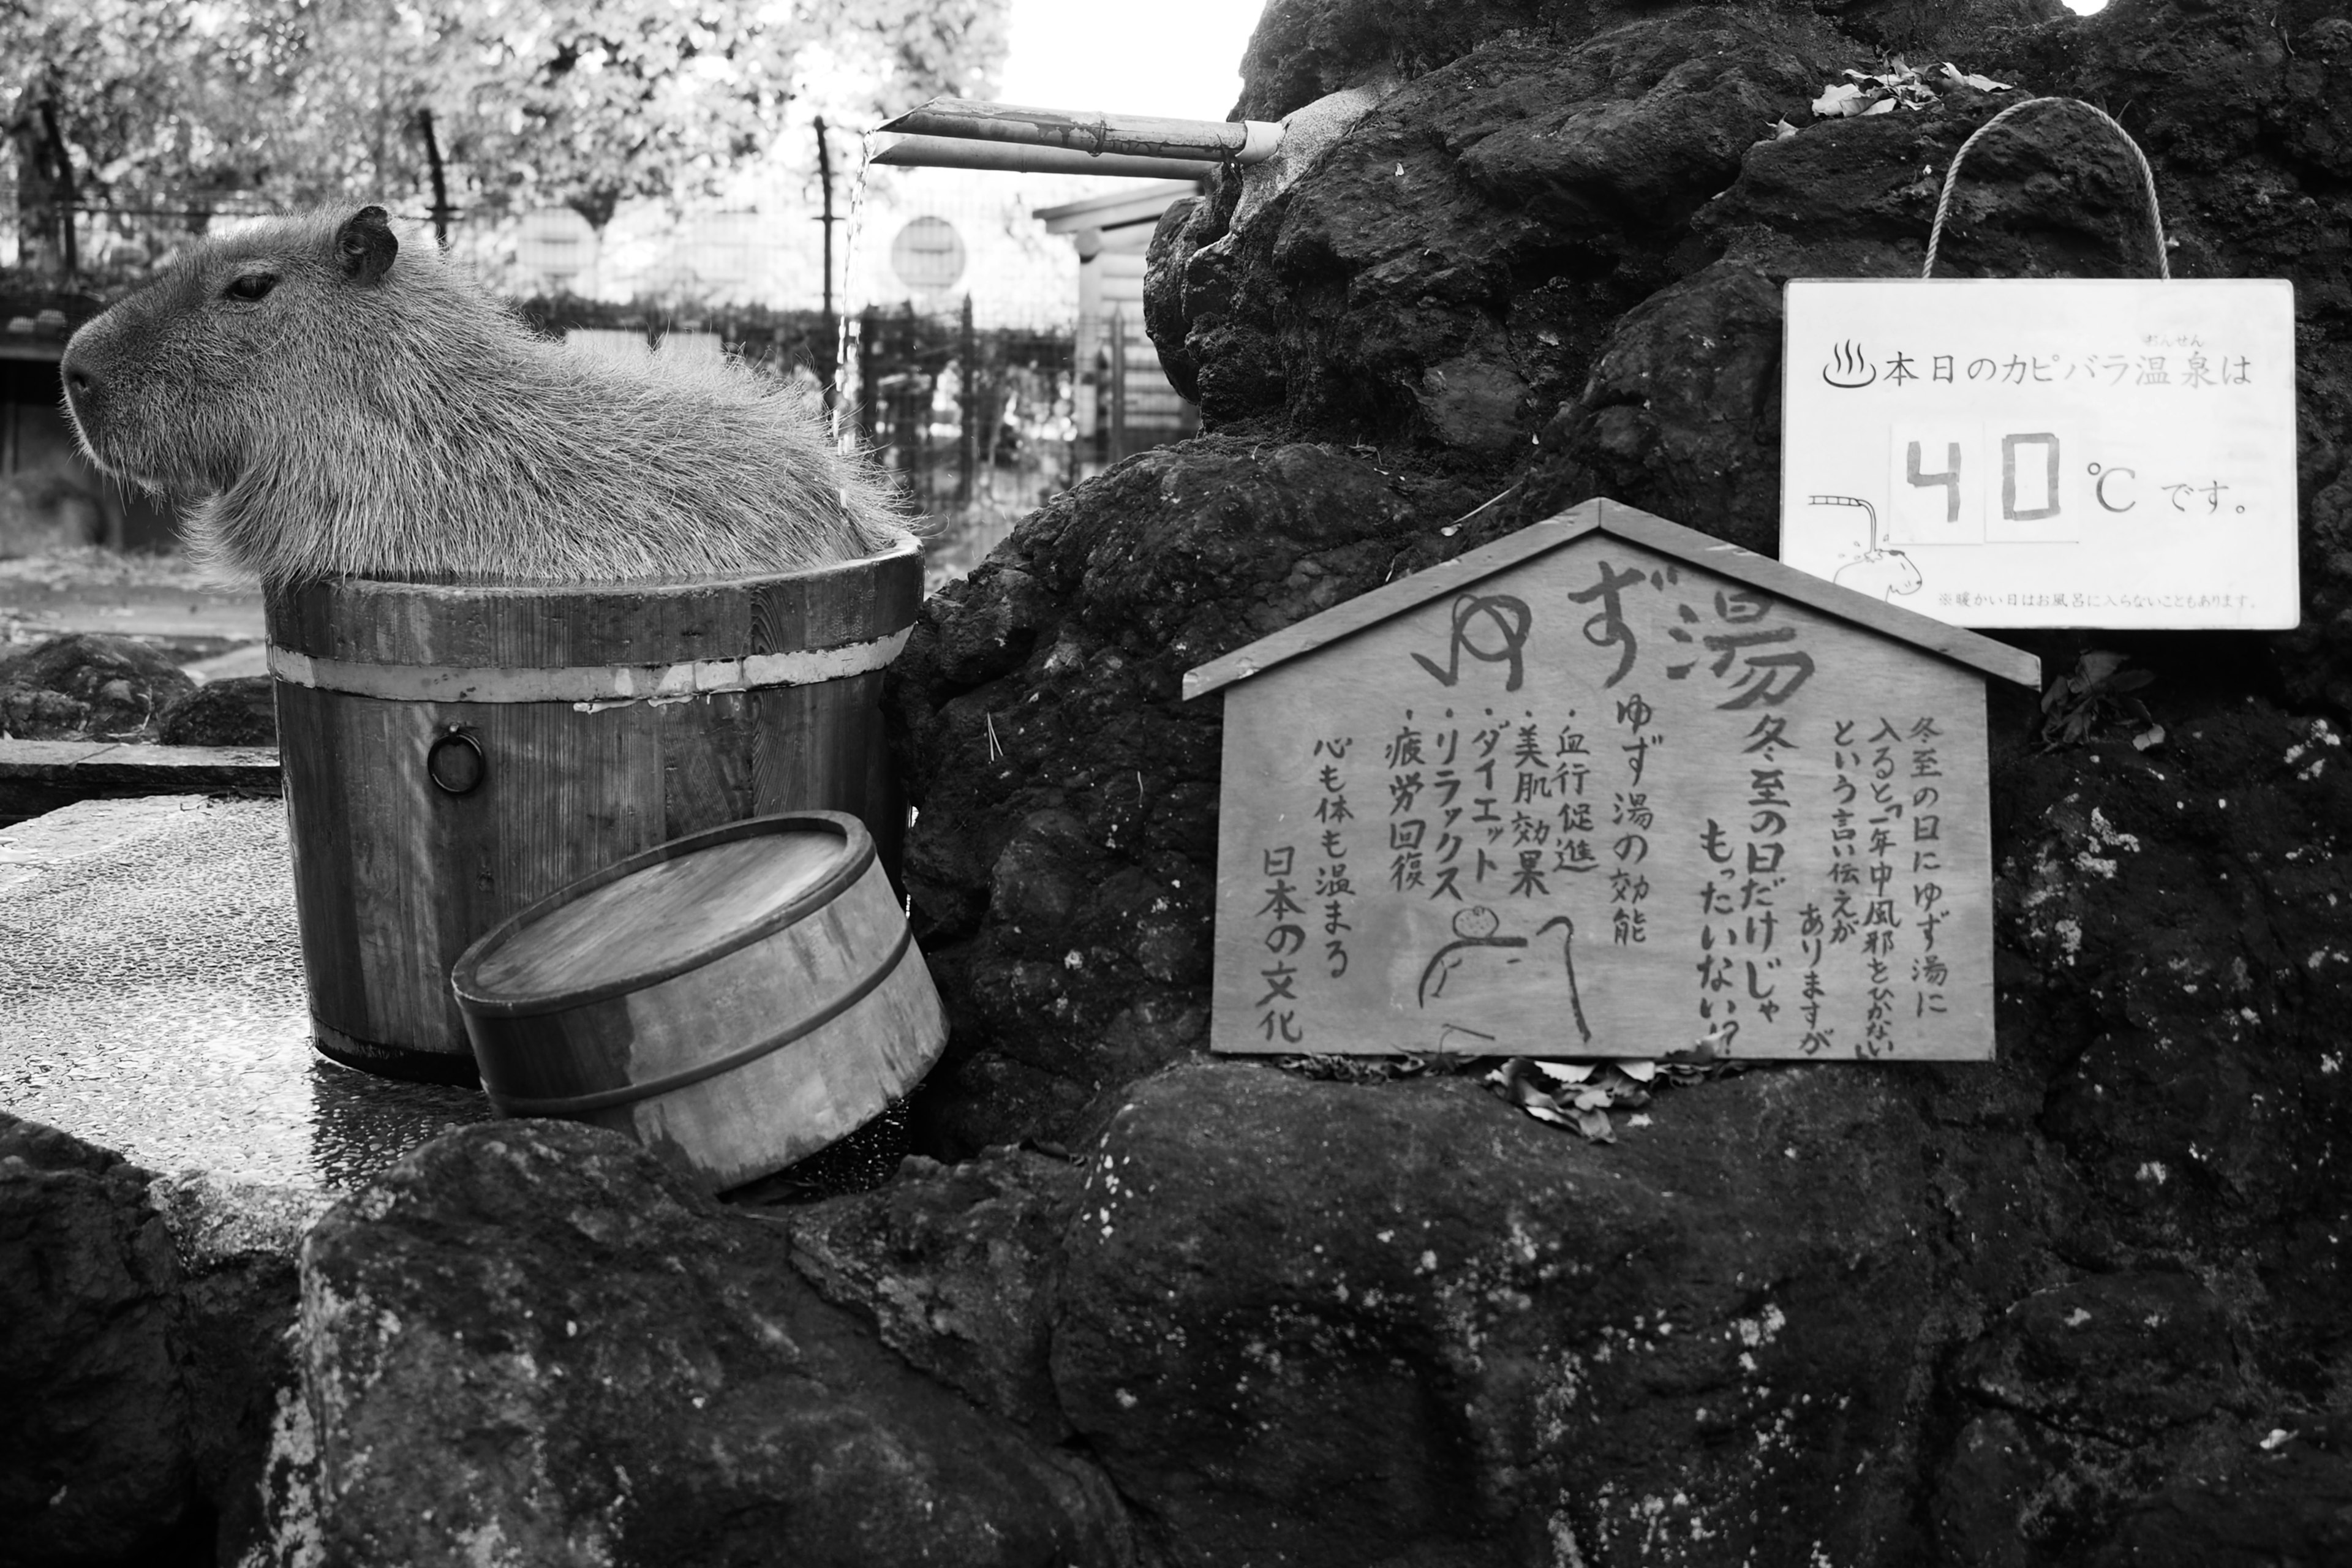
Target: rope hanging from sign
{"points": [[2147, 178]]}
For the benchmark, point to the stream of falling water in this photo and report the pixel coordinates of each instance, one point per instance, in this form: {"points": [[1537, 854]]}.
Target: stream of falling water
{"points": [[847, 329]]}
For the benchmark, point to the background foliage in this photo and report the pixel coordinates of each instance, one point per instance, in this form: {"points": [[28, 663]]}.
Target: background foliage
{"points": [[168, 108]]}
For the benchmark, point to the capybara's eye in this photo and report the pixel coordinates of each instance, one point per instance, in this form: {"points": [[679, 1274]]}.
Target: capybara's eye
{"points": [[252, 286]]}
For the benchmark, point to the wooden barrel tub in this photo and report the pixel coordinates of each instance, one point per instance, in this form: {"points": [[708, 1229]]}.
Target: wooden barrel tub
{"points": [[735, 1000], [453, 754]]}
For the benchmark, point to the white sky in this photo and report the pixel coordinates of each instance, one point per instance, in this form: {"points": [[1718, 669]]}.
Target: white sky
{"points": [[1128, 56]]}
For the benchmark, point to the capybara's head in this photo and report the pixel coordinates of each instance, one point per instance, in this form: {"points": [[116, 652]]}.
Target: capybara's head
{"points": [[234, 350]]}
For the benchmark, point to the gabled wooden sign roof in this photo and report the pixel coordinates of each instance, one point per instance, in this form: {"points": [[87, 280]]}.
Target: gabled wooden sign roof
{"points": [[1622, 522]]}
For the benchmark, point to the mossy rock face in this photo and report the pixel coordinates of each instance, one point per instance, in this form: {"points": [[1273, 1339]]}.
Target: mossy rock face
{"points": [[241, 712], [96, 1464], [531, 1332], [1547, 265], [1406, 1323], [89, 686]]}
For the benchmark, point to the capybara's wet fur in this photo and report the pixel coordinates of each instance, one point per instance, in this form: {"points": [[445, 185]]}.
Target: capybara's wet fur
{"points": [[324, 401]]}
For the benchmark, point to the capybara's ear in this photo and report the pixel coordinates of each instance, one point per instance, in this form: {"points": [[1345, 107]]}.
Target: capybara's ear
{"points": [[367, 244]]}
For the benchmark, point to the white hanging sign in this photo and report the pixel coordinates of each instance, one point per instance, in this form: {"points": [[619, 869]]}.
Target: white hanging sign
{"points": [[2045, 452]]}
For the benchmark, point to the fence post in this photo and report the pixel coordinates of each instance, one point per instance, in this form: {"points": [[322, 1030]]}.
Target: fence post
{"points": [[1118, 382], [440, 179], [869, 328], [968, 380]]}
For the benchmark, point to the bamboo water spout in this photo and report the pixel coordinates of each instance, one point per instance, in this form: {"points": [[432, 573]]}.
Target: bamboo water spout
{"points": [[964, 134]]}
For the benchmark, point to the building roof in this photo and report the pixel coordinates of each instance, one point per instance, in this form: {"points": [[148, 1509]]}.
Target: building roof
{"points": [[1143, 204], [1621, 521]]}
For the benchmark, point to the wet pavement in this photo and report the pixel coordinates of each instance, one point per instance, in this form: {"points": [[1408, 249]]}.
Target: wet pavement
{"points": [[152, 1000]]}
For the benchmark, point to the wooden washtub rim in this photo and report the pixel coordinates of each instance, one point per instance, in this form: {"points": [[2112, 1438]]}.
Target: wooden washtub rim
{"points": [[908, 545], [464, 975], [686, 1077]]}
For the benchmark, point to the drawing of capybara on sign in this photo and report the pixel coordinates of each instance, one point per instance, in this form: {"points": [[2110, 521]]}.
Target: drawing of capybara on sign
{"points": [[324, 401]]}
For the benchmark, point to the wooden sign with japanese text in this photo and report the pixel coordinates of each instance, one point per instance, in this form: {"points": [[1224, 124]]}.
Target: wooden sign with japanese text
{"points": [[2043, 452], [1605, 788]]}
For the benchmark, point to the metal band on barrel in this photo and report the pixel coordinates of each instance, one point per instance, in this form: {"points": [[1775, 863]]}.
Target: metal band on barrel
{"points": [[630, 1093], [589, 683]]}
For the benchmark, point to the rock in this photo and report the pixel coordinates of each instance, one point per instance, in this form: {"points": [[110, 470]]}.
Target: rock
{"points": [[85, 684], [1984, 1500], [527, 1342], [2091, 1391], [1303, 49], [145, 1357], [1163, 296], [1446, 270], [1307, 132], [238, 1244], [2121, 1355], [96, 1459], [1460, 272], [2243, 136], [2284, 1498], [959, 1267], [1548, 265], [40, 715], [1314, 1323], [240, 711], [1060, 866], [1680, 415]]}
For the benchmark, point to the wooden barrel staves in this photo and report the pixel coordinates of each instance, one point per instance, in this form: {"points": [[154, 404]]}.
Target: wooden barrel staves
{"points": [[735, 1001], [454, 753]]}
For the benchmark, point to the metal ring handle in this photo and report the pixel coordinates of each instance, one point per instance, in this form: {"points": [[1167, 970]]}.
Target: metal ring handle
{"points": [[455, 764]]}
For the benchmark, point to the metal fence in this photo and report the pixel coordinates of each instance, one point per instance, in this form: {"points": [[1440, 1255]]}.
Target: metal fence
{"points": [[976, 424]]}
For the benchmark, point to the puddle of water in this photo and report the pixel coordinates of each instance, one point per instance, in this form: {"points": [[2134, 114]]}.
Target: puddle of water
{"points": [[152, 1001]]}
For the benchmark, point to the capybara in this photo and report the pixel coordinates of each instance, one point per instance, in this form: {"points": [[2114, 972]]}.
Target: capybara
{"points": [[324, 401]]}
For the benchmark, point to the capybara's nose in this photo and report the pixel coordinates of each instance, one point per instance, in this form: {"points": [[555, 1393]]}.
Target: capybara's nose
{"points": [[80, 385]]}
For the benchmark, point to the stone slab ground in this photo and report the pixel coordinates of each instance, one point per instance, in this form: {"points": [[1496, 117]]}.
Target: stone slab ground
{"points": [[154, 1000]]}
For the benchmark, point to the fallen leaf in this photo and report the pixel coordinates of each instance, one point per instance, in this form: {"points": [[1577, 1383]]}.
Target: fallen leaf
{"points": [[1594, 1125], [1837, 100], [1639, 1071], [1884, 106], [1702, 1050], [1968, 78], [2099, 664], [1781, 130], [1564, 1072]]}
